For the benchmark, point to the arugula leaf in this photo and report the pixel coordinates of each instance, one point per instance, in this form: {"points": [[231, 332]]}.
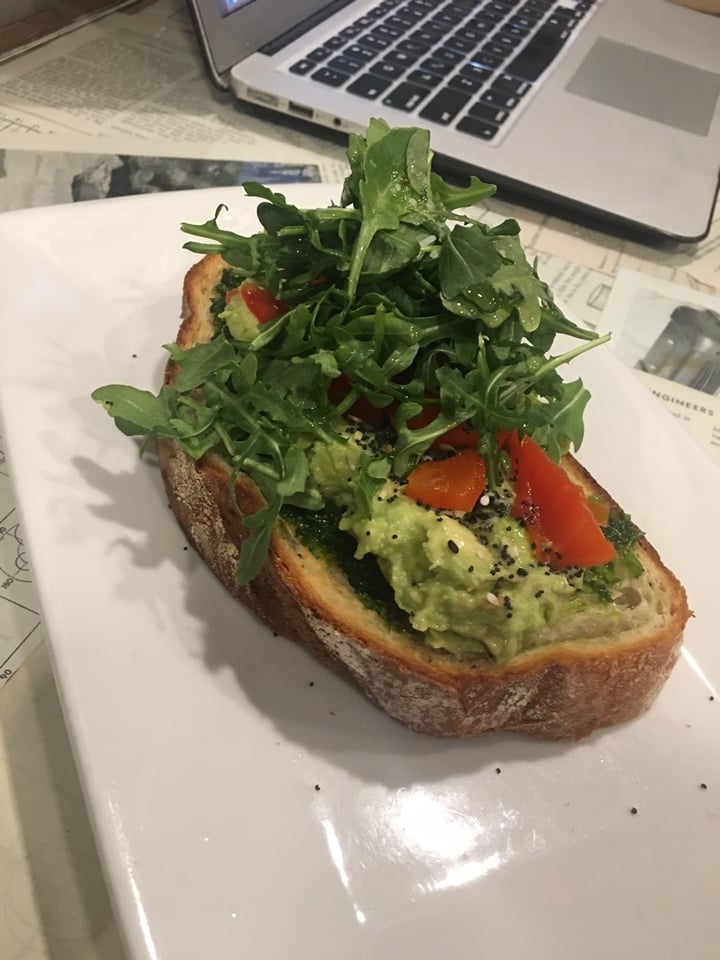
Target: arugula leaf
{"points": [[396, 291]]}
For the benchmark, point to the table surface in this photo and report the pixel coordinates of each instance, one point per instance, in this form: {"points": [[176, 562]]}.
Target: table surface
{"points": [[53, 901]]}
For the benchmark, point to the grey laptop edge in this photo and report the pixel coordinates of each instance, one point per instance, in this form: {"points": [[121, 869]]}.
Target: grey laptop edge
{"points": [[608, 109]]}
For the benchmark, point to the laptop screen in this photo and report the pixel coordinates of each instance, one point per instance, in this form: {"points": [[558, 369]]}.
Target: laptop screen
{"points": [[230, 30]]}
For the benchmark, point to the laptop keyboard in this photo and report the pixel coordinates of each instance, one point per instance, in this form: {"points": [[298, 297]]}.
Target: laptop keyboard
{"points": [[461, 63]]}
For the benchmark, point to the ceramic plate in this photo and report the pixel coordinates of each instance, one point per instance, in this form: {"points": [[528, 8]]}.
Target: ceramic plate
{"points": [[246, 801]]}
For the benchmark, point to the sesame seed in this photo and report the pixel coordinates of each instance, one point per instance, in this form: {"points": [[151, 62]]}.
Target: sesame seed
{"points": [[453, 546]]}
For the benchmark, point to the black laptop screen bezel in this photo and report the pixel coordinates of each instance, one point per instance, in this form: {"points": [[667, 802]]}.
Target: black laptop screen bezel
{"points": [[227, 37]]}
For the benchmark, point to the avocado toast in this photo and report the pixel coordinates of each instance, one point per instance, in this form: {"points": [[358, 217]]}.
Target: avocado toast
{"points": [[365, 436]]}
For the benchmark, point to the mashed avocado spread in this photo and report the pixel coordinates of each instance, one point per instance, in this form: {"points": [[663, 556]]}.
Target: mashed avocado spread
{"points": [[468, 583]]}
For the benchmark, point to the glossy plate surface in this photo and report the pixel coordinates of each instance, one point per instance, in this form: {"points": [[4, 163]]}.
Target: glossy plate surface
{"points": [[246, 801]]}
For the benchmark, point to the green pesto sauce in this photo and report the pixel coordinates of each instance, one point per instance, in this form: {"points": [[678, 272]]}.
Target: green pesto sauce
{"points": [[320, 534]]}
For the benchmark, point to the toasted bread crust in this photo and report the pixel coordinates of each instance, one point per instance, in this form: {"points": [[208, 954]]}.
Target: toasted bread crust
{"points": [[561, 691]]}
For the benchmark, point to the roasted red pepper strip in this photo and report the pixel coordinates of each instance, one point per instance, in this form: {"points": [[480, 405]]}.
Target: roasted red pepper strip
{"points": [[259, 301], [554, 510], [455, 483]]}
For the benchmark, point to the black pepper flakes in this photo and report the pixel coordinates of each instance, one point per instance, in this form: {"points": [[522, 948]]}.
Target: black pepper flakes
{"points": [[703, 786], [633, 810], [454, 548], [317, 786], [498, 769]]}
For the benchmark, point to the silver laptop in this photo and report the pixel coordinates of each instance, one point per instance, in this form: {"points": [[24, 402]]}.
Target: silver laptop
{"points": [[609, 109]]}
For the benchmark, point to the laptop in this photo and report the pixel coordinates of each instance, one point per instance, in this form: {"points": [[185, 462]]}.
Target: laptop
{"points": [[608, 109]]}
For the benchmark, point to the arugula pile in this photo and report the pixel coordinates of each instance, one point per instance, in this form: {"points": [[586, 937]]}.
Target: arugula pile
{"points": [[411, 300]]}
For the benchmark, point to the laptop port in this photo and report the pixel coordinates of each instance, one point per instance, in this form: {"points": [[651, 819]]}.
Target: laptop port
{"points": [[299, 110]]}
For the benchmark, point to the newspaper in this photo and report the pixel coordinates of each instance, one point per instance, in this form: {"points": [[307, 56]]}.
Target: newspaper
{"points": [[20, 622], [670, 336], [135, 82]]}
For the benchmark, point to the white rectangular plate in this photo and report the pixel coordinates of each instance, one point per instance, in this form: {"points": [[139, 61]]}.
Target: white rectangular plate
{"points": [[246, 801]]}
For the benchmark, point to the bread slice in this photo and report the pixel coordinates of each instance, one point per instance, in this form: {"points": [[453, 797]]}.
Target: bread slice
{"points": [[583, 679]]}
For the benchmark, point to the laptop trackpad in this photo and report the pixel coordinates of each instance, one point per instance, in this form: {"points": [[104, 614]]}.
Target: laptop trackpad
{"points": [[648, 85]]}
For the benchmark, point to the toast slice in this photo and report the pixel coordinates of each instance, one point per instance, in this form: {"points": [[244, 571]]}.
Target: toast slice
{"points": [[583, 677]]}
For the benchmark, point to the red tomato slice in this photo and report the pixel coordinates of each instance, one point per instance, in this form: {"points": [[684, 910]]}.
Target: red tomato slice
{"points": [[259, 301], [554, 510], [452, 484]]}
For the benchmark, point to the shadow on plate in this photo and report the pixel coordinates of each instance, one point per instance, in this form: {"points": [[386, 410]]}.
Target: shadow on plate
{"points": [[308, 703]]}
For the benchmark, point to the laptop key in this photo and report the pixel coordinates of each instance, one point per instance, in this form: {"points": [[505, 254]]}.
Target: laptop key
{"points": [[381, 68], [378, 44], [488, 60], [433, 65], [403, 24], [507, 40], [483, 111], [386, 30], [536, 57], [319, 54], [495, 50], [460, 43], [507, 84], [476, 72], [541, 6], [401, 57], [406, 96], [424, 79], [412, 12], [496, 98], [333, 78], [302, 67], [413, 47], [356, 52], [429, 34], [347, 33], [512, 29], [449, 18], [445, 106], [448, 57], [345, 65], [466, 84], [482, 129], [525, 22], [369, 85]]}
